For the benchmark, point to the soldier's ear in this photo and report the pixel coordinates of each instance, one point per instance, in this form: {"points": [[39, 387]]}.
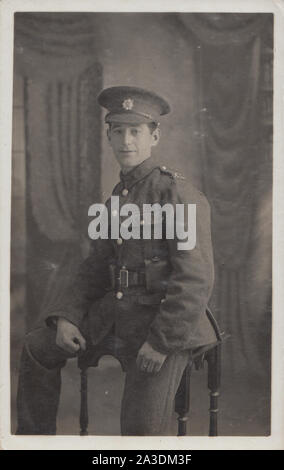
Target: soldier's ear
{"points": [[156, 134]]}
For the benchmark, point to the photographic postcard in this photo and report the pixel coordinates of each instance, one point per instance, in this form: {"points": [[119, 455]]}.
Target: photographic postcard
{"points": [[213, 71]]}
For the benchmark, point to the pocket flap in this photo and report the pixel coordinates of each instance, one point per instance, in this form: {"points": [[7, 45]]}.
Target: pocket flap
{"points": [[150, 299]]}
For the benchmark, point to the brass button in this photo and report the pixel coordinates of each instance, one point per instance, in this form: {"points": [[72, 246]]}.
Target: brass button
{"points": [[119, 295], [114, 212], [164, 167], [119, 241], [162, 301], [142, 222], [124, 192]]}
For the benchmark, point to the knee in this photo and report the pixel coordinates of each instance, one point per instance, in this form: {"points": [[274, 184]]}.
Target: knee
{"points": [[41, 346], [38, 340], [34, 338]]}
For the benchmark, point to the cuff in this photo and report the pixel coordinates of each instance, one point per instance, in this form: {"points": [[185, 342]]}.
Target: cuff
{"points": [[153, 341]]}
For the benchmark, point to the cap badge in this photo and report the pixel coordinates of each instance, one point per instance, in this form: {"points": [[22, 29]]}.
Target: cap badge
{"points": [[128, 104]]}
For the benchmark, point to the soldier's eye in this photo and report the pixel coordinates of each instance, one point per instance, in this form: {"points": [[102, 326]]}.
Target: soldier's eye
{"points": [[134, 132]]}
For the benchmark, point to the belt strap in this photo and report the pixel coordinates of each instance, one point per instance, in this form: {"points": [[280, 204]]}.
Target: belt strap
{"points": [[122, 278]]}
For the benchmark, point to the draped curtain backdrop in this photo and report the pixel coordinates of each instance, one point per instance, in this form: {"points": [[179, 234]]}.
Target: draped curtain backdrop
{"points": [[58, 56], [63, 127], [234, 69]]}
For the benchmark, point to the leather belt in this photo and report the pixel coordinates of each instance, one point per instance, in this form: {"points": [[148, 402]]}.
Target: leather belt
{"points": [[122, 278]]}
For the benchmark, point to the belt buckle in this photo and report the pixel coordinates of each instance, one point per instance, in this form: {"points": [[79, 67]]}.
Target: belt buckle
{"points": [[123, 277]]}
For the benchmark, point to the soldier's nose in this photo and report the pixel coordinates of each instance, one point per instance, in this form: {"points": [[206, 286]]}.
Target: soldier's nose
{"points": [[126, 137]]}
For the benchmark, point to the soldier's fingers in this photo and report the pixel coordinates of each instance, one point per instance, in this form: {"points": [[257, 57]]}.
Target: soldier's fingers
{"points": [[157, 367], [151, 367], [144, 366], [61, 343], [139, 360], [82, 342], [71, 346], [66, 347]]}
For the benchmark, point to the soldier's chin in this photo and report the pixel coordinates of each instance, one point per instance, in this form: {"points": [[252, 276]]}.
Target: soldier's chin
{"points": [[128, 158]]}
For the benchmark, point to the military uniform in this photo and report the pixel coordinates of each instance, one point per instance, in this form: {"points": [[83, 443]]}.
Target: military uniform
{"points": [[137, 290]]}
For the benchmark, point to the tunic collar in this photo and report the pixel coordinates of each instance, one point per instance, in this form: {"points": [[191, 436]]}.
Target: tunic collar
{"points": [[138, 173]]}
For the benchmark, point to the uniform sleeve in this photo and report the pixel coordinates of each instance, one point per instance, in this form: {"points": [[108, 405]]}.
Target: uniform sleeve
{"points": [[89, 284], [190, 283]]}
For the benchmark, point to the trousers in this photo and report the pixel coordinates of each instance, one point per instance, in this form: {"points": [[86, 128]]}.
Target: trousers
{"points": [[147, 401]]}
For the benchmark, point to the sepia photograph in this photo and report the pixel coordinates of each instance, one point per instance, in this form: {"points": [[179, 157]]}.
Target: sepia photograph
{"points": [[141, 223]]}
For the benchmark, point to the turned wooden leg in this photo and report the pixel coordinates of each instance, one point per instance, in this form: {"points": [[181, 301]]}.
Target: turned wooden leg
{"points": [[84, 403], [213, 358], [182, 401]]}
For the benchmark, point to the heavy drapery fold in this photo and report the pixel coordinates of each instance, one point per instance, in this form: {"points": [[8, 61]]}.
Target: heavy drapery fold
{"points": [[56, 55], [234, 68], [61, 122]]}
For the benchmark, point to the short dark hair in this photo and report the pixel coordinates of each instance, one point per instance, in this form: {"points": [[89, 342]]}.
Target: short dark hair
{"points": [[152, 126]]}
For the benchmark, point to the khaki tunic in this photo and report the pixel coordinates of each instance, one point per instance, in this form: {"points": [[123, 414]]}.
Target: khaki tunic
{"points": [[170, 310]]}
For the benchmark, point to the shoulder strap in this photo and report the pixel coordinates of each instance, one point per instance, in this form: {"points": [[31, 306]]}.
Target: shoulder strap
{"points": [[171, 172]]}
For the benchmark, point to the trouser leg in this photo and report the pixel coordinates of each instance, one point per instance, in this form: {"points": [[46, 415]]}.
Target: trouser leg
{"points": [[39, 383], [148, 400]]}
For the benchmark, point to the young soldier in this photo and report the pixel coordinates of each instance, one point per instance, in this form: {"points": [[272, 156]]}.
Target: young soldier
{"points": [[148, 296]]}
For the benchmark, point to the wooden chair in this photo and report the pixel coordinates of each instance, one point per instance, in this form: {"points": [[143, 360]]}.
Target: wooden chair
{"points": [[210, 353]]}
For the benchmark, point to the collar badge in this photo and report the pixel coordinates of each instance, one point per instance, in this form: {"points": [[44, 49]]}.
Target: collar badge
{"points": [[128, 104]]}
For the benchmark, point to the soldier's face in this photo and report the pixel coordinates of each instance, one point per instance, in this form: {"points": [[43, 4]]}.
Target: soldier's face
{"points": [[132, 144]]}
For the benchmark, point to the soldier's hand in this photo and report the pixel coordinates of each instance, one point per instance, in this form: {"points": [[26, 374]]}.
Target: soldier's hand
{"points": [[149, 360], [68, 336]]}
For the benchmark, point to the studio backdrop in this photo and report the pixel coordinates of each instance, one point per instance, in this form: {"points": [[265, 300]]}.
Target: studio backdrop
{"points": [[216, 71]]}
